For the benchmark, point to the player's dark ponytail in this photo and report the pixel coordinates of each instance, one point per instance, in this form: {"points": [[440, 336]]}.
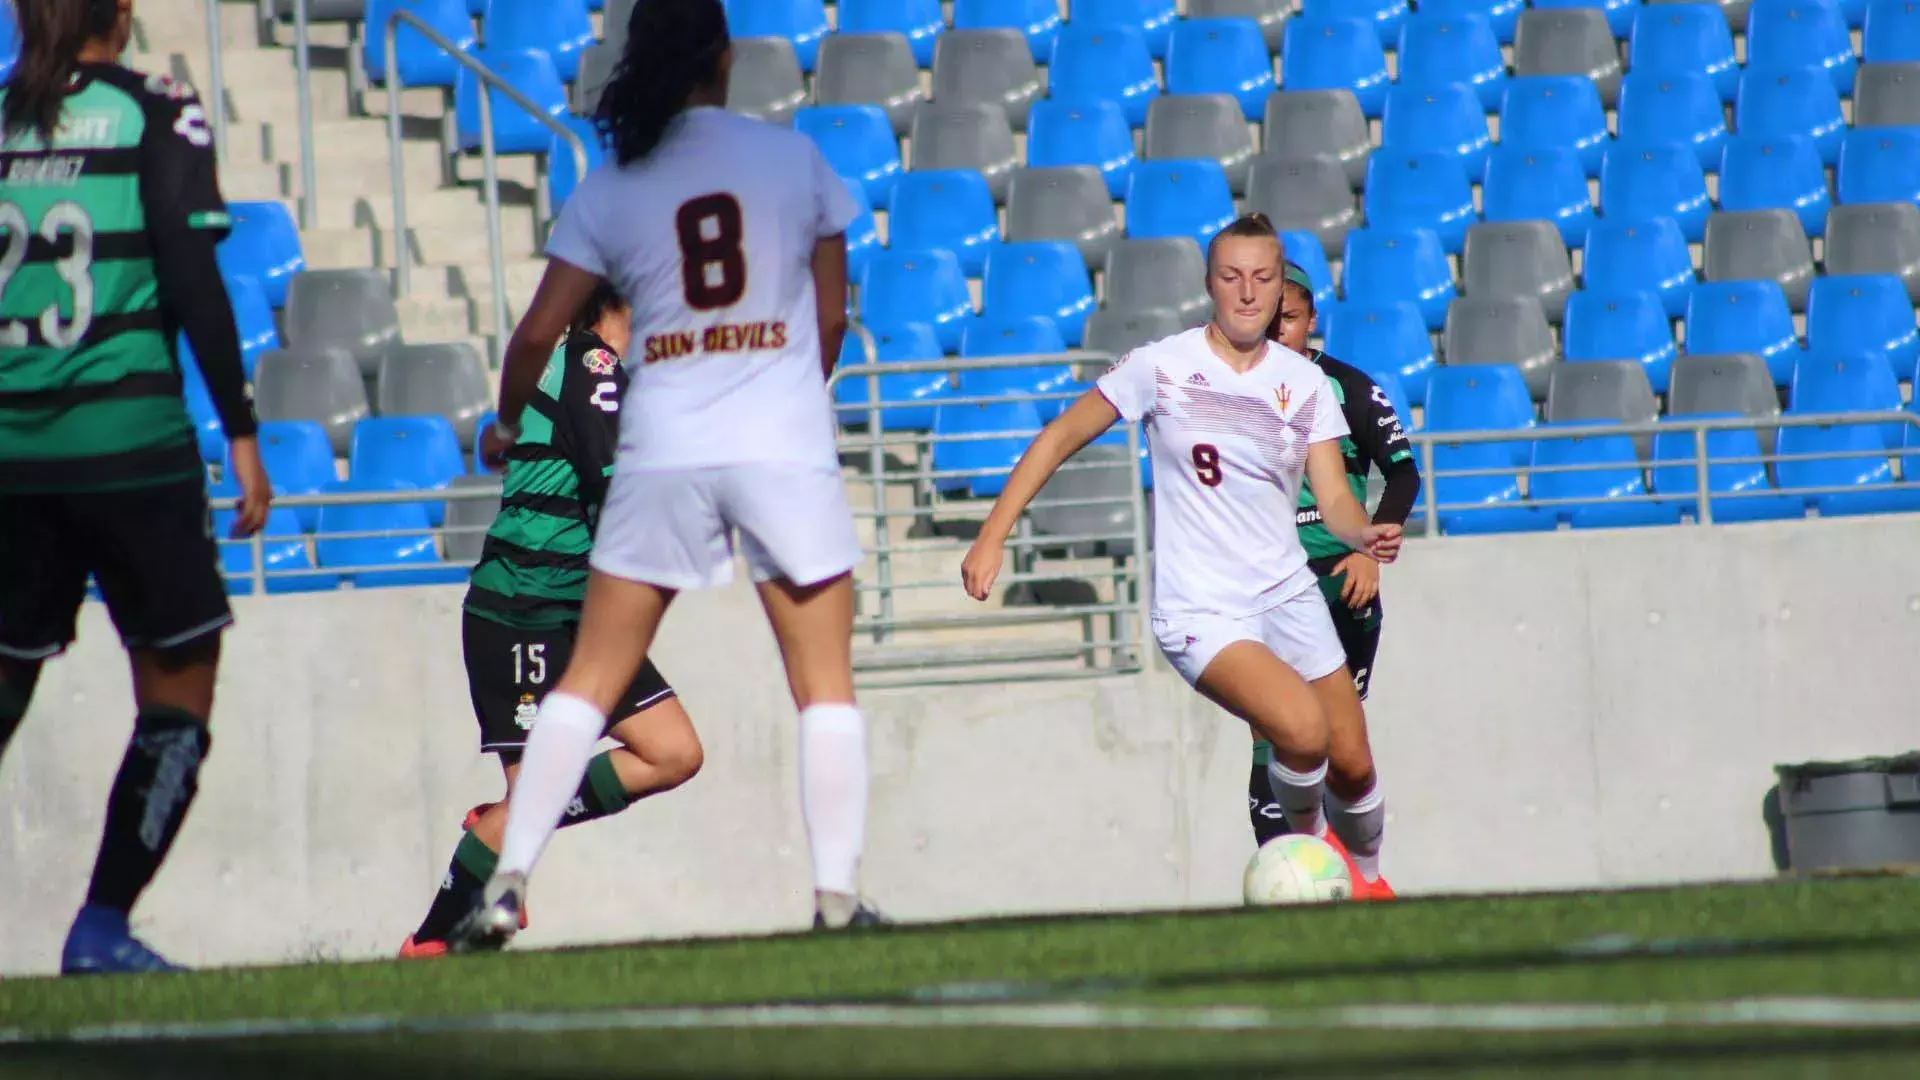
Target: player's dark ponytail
{"points": [[602, 300], [51, 34], [673, 48]]}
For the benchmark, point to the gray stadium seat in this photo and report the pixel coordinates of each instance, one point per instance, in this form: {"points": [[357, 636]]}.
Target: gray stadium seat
{"points": [[1501, 330], [613, 22], [1319, 123], [1115, 332], [1724, 383], [1735, 10], [449, 380], [1270, 14], [1309, 194], [1876, 238], [1104, 472], [991, 66], [1569, 41], [596, 67], [869, 69], [1202, 126], [1603, 391], [1767, 245], [1887, 94], [966, 137], [469, 519], [766, 80], [1068, 203], [1167, 272], [324, 10], [1518, 258], [349, 309], [319, 384]]}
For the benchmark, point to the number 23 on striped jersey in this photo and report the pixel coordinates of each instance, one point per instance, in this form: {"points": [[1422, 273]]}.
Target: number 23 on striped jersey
{"points": [[75, 268]]}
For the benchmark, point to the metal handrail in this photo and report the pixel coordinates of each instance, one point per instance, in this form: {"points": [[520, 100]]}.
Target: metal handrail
{"points": [[303, 78], [490, 175], [216, 94]]}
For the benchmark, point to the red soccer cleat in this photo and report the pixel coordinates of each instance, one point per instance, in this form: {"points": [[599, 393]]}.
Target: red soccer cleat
{"points": [[473, 816], [1377, 889], [421, 950]]}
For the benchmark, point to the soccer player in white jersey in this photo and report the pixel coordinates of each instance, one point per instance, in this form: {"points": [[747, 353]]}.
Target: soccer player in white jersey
{"points": [[726, 237], [1234, 421]]}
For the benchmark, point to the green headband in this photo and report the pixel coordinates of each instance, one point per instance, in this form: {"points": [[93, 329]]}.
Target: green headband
{"points": [[1299, 277]]}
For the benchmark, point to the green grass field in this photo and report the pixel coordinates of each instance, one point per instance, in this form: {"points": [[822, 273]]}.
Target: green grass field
{"points": [[1816, 978]]}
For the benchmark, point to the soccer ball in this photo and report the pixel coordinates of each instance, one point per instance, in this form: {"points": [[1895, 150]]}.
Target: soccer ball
{"points": [[1296, 869]]}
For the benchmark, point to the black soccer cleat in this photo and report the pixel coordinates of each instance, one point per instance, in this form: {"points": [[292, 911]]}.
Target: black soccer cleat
{"points": [[864, 917]]}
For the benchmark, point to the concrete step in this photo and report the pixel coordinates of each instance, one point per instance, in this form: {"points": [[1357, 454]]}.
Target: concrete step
{"points": [[430, 318], [258, 182]]}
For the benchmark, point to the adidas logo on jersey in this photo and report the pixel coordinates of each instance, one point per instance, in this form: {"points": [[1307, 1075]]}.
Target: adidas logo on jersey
{"points": [[1197, 379]]}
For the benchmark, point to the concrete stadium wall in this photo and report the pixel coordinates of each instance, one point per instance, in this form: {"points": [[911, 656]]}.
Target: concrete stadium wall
{"points": [[1558, 711]]}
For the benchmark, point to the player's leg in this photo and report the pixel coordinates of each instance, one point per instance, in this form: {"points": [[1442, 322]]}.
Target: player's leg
{"points": [[1263, 809], [798, 536], [1356, 805], [39, 598], [1248, 680]]}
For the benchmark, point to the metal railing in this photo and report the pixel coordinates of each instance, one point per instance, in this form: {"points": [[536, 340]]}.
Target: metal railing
{"points": [[317, 575], [490, 175], [908, 648], [216, 91]]}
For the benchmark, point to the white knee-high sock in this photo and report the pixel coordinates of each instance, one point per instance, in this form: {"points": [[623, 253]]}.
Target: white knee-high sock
{"points": [[1361, 824], [562, 742], [833, 793], [1298, 794]]}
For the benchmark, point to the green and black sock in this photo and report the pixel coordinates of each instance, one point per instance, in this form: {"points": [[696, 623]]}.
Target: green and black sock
{"points": [[156, 784], [467, 875], [601, 794]]}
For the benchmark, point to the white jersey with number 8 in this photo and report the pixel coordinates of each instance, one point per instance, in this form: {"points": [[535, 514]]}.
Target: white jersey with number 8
{"points": [[1229, 451]]}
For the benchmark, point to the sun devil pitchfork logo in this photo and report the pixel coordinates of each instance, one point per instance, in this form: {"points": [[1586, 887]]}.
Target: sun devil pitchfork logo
{"points": [[1283, 396]]}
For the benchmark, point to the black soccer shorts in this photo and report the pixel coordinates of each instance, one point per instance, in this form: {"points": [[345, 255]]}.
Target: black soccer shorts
{"points": [[510, 669], [150, 549]]}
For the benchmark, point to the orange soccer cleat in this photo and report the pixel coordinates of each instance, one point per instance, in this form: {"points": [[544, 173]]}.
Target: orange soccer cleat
{"points": [[1377, 889], [473, 816], [421, 950]]}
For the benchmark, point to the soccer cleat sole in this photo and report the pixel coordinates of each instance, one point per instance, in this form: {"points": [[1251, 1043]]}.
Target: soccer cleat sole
{"points": [[487, 930]]}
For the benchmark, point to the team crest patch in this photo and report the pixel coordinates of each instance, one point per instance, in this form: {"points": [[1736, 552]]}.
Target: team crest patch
{"points": [[524, 712], [167, 87], [600, 361], [1284, 396]]}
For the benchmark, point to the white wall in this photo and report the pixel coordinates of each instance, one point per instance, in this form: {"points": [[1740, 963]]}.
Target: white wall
{"points": [[1549, 711]]}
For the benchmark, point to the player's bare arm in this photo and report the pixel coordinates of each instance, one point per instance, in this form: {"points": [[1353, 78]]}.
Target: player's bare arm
{"points": [[563, 289], [1343, 513], [1084, 421], [830, 297]]}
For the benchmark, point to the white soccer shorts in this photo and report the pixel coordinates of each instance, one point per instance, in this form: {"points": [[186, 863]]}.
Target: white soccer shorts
{"points": [[675, 528], [1298, 630]]}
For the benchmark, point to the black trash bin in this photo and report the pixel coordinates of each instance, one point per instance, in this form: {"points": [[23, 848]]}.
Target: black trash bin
{"points": [[1852, 815]]}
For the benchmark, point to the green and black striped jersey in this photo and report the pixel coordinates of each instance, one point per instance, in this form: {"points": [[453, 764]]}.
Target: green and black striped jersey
{"points": [[533, 569], [90, 390], [1376, 439]]}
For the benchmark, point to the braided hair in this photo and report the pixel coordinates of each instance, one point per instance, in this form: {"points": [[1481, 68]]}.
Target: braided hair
{"points": [[673, 48]]}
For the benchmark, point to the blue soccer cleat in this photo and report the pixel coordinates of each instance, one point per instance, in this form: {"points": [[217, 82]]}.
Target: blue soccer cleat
{"points": [[100, 943]]}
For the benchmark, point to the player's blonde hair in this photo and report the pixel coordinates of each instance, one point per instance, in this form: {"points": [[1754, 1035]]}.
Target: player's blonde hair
{"points": [[1253, 225]]}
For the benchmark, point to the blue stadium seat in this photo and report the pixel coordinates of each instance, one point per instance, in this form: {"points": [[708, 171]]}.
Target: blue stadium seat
{"points": [[1609, 489], [858, 141], [1744, 316], [1447, 118], [1797, 102], [9, 42], [1619, 13], [422, 451], [1304, 250], [411, 554], [1853, 12], [1641, 182], [1784, 172], [1671, 39], [1502, 15], [1020, 420], [1020, 335], [1039, 20], [1750, 491], [1154, 19], [1221, 56], [1786, 34], [1879, 165], [1555, 111], [944, 208], [1181, 197], [917, 286], [514, 132], [421, 62], [1892, 33], [1680, 107], [1437, 51], [299, 457], [1838, 384], [863, 235], [919, 21], [1044, 278], [1382, 339], [1623, 256], [803, 22], [286, 561], [1420, 189], [905, 343], [1854, 315], [563, 174], [1621, 326], [560, 28], [252, 316], [1384, 266], [1103, 63], [1384, 16], [1539, 184], [1329, 53], [1846, 385], [1089, 133], [265, 244], [1482, 397]]}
